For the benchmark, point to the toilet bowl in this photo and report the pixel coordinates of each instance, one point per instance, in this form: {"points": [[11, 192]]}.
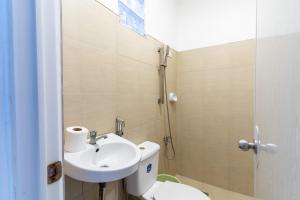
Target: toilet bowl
{"points": [[143, 182]]}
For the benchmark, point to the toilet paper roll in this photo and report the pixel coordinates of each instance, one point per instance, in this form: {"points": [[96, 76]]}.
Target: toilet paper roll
{"points": [[75, 138]]}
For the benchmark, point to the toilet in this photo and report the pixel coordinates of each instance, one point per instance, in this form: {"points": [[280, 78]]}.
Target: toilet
{"points": [[143, 183]]}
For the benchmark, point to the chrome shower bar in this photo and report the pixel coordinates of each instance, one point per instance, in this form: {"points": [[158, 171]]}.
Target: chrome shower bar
{"points": [[163, 63]]}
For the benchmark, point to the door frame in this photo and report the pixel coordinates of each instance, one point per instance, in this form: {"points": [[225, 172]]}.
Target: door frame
{"points": [[49, 62]]}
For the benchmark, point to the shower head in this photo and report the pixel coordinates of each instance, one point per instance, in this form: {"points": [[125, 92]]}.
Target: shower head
{"points": [[164, 53], [167, 50]]}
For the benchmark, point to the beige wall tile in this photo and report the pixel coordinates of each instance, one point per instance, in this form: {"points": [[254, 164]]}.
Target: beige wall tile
{"points": [[144, 51], [215, 111], [237, 54], [72, 110], [73, 188], [99, 112]]}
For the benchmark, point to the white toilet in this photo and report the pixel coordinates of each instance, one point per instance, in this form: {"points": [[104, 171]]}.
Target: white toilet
{"points": [[143, 182]]}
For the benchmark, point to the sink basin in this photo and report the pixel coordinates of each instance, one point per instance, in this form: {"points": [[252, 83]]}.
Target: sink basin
{"points": [[111, 159]]}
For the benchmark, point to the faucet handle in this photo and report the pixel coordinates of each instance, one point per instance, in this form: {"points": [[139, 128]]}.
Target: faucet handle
{"points": [[120, 124], [93, 136]]}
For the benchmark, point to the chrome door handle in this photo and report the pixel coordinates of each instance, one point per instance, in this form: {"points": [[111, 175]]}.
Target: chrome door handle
{"points": [[244, 145]]}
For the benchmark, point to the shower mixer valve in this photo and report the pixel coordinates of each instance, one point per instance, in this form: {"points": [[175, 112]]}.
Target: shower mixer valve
{"points": [[167, 139]]}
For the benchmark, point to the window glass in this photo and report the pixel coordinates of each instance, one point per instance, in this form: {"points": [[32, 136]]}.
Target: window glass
{"points": [[132, 14]]}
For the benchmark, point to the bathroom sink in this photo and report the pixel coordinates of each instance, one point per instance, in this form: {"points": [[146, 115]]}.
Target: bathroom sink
{"points": [[111, 159]]}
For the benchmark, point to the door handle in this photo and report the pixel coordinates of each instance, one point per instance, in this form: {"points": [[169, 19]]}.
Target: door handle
{"points": [[244, 145]]}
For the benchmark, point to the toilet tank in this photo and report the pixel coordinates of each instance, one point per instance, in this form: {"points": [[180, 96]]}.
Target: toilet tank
{"points": [[142, 180]]}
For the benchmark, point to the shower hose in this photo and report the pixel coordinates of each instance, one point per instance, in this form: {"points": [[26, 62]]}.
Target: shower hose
{"points": [[169, 123]]}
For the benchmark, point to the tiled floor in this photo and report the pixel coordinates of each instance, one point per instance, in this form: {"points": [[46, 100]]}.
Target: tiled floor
{"points": [[215, 193]]}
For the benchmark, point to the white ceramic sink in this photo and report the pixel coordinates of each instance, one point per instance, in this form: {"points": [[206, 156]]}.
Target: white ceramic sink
{"points": [[111, 159]]}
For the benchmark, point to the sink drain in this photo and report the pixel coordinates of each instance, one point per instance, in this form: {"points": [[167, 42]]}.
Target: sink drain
{"points": [[104, 166]]}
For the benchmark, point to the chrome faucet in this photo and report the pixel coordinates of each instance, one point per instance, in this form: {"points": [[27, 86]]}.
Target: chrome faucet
{"points": [[120, 124], [94, 138]]}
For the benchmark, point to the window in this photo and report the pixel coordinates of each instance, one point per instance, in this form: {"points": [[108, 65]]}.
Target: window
{"points": [[132, 14]]}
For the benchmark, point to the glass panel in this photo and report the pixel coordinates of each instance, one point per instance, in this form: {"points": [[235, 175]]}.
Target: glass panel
{"points": [[277, 99]]}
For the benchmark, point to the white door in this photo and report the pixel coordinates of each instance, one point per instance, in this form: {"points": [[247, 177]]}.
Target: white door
{"points": [[278, 100], [30, 100]]}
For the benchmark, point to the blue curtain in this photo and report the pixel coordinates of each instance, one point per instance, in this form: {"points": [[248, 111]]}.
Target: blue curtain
{"points": [[6, 92]]}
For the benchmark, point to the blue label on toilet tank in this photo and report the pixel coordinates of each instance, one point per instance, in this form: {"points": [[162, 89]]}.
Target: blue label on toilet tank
{"points": [[149, 168]]}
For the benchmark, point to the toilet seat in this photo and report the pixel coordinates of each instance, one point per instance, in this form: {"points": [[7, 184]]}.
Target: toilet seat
{"points": [[173, 191]]}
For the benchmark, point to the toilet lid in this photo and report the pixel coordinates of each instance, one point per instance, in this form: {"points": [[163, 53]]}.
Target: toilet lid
{"points": [[177, 191]]}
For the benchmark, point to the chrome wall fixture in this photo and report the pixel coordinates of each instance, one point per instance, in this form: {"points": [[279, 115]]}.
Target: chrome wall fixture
{"points": [[120, 124], [164, 52]]}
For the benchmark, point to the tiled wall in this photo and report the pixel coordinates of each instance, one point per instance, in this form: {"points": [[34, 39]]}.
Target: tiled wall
{"points": [[215, 111], [111, 71]]}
